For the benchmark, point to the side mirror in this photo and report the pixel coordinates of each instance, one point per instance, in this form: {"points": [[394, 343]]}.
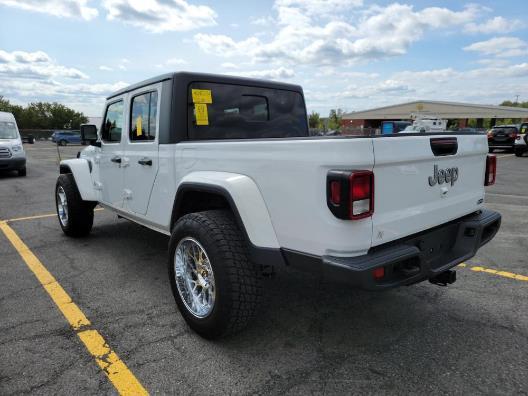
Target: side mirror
{"points": [[89, 134]]}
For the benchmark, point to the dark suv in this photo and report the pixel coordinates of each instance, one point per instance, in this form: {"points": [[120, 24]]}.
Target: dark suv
{"points": [[502, 137]]}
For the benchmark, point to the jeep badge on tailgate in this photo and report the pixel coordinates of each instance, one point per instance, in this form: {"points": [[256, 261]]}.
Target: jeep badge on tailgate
{"points": [[449, 175]]}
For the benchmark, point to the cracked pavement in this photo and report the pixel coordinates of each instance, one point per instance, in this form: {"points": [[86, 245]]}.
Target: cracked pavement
{"points": [[310, 336]]}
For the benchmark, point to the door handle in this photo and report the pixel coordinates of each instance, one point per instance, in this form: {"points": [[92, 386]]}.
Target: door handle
{"points": [[116, 159], [145, 161]]}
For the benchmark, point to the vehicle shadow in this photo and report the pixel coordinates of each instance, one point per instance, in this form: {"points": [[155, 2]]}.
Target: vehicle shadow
{"points": [[309, 336], [5, 174]]}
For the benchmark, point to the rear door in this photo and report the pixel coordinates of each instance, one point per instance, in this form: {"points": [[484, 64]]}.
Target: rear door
{"points": [[425, 181], [141, 148]]}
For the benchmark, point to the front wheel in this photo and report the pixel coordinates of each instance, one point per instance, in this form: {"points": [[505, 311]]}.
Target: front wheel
{"points": [[75, 215], [63, 143], [518, 153], [215, 285], [22, 172]]}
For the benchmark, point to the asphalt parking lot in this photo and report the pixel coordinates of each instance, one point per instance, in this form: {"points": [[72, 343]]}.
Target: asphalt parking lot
{"points": [[311, 337]]}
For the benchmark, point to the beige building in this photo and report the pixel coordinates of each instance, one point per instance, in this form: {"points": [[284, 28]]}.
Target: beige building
{"points": [[445, 110]]}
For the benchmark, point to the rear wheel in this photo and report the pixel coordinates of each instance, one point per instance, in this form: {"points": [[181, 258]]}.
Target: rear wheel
{"points": [[215, 285], [75, 215], [63, 143], [518, 153]]}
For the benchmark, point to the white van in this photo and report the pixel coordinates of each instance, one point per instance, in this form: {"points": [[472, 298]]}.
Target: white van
{"points": [[12, 155]]}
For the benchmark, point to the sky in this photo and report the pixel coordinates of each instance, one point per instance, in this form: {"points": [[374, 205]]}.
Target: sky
{"points": [[348, 54]]}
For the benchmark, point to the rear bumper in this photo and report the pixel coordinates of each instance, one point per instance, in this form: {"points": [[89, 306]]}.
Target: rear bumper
{"points": [[12, 163], [412, 259]]}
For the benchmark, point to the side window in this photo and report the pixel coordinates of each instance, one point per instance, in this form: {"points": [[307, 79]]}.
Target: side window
{"points": [[143, 121], [113, 122]]}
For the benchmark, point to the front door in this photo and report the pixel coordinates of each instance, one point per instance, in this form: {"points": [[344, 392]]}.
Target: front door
{"points": [[141, 148], [111, 156]]}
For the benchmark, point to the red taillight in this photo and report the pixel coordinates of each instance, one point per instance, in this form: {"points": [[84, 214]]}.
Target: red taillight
{"points": [[491, 170], [378, 273], [361, 184], [350, 194], [335, 192]]}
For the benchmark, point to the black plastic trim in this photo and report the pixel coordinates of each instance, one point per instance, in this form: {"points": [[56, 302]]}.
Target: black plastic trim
{"points": [[408, 260], [444, 146], [259, 255]]}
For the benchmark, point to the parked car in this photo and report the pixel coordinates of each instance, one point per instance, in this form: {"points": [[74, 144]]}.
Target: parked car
{"points": [[521, 143], [12, 154], [502, 137], [28, 139], [226, 167], [62, 138]]}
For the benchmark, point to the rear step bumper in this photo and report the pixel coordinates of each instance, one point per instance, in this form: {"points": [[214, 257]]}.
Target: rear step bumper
{"points": [[415, 258]]}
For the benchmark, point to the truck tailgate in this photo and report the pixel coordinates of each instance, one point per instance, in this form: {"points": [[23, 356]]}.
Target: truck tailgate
{"points": [[411, 193]]}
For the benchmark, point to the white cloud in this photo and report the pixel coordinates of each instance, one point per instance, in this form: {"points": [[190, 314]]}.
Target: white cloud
{"points": [[159, 16], [307, 37], [500, 46], [34, 76], [105, 68], [385, 87], [223, 45], [280, 73], [58, 8], [315, 7], [264, 21], [229, 65], [490, 85], [497, 24], [34, 65], [175, 62]]}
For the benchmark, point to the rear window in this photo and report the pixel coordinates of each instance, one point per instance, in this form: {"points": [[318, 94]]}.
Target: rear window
{"points": [[225, 111]]}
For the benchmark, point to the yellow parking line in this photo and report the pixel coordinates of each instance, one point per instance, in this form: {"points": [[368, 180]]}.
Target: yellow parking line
{"points": [[504, 274], [39, 216], [115, 369]]}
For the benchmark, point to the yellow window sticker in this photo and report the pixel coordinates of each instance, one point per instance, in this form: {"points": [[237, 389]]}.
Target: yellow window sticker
{"points": [[202, 96], [139, 129], [200, 111]]}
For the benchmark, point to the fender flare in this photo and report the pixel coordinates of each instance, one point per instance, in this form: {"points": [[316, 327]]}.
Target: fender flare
{"points": [[244, 198], [81, 170]]}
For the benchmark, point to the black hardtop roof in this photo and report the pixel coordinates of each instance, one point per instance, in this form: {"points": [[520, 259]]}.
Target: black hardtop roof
{"points": [[188, 77]]}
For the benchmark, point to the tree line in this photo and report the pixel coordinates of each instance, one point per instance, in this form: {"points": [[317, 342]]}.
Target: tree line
{"points": [[44, 115]]}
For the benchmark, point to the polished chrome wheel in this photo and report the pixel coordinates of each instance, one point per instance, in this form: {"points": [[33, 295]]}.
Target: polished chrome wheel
{"points": [[194, 277], [62, 206]]}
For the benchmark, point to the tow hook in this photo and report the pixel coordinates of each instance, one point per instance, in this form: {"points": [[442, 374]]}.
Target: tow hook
{"points": [[444, 278]]}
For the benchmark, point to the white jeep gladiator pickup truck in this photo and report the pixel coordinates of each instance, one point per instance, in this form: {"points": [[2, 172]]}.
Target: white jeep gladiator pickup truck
{"points": [[225, 166]]}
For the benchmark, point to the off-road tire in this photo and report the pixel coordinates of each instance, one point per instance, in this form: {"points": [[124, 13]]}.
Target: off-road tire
{"points": [[80, 213], [22, 172], [237, 280]]}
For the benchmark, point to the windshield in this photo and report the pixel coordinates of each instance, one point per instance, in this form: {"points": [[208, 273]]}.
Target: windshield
{"points": [[8, 130]]}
